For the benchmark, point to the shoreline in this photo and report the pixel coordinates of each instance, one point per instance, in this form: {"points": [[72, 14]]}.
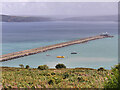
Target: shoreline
{"points": [[51, 68]]}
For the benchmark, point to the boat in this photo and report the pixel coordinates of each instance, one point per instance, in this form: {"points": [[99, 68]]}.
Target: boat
{"points": [[73, 52], [47, 55], [60, 56]]}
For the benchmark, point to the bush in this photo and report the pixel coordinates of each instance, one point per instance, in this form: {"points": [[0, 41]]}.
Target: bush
{"points": [[52, 73], [101, 69], [51, 81], [59, 66], [65, 75], [80, 79], [57, 79], [116, 67], [21, 65], [43, 67], [27, 67], [113, 78], [54, 80]]}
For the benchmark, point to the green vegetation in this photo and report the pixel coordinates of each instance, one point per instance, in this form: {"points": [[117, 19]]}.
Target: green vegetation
{"points": [[42, 77], [101, 69], [114, 78], [21, 65], [53, 78], [43, 67], [27, 67], [59, 66]]}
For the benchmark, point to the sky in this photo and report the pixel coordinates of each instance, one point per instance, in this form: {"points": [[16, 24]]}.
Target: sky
{"points": [[60, 0], [60, 8]]}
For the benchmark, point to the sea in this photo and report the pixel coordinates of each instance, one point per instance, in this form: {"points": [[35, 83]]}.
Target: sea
{"points": [[18, 36]]}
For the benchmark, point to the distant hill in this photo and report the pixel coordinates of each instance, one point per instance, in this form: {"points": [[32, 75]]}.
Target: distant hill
{"points": [[8, 18], [92, 18]]}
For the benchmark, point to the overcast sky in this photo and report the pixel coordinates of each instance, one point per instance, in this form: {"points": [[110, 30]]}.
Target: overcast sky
{"points": [[60, 8]]}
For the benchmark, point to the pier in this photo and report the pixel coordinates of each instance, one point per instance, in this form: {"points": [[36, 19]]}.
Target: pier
{"points": [[24, 53]]}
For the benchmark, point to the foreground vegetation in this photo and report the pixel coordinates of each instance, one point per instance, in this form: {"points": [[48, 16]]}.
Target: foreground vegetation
{"points": [[55, 78], [114, 78]]}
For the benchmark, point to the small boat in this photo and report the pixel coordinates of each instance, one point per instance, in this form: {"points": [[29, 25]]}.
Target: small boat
{"points": [[73, 53], [47, 55], [60, 56]]}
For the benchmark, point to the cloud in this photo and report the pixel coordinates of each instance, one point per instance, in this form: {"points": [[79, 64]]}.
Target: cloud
{"points": [[60, 8], [60, 1]]}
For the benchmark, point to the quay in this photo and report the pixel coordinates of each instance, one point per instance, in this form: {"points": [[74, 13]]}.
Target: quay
{"points": [[24, 53]]}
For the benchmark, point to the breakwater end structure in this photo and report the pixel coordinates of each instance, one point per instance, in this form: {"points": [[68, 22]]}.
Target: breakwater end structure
{"points": [[24, 53]]}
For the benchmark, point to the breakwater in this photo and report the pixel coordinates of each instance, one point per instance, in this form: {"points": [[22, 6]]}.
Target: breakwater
{"points": [[19, 54]]}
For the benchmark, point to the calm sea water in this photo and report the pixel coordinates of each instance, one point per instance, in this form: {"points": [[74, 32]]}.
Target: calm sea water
{"points": [[93, 54]]}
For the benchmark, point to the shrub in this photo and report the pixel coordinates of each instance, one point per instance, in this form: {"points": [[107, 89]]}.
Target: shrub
{"points": [[59, 66], [46, 74], [116, 67], [27, 67], [43, 67], [101, 69], [51, 81], [80, 79], [54, 80], [65, 75], [21, 65], [57, 80], [113, 78], [52, 73]]}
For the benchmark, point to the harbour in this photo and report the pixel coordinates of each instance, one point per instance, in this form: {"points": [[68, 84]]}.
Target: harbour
{"points": [[24, 53]]}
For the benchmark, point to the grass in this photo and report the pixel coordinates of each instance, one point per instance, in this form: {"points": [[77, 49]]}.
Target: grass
{"points": [[53, 78]]}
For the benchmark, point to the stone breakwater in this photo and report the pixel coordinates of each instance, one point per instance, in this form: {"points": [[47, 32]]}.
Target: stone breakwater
{"points": [[24, 53]]}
